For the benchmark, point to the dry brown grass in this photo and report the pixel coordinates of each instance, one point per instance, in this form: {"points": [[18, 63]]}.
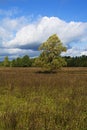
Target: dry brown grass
{"points": [[47, 101], [30, 77]]}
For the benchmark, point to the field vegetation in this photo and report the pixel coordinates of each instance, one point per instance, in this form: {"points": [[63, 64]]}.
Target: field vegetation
{"points": [[30, 100]]}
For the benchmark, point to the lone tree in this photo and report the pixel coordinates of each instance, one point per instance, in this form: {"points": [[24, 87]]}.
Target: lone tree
{"points": [[50, 58], [6, 62]]}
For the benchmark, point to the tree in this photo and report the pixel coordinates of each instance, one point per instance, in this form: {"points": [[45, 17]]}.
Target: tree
{"points": [[26, 62], [50, 57], [13, 63], [18, 62], [6, 62]]}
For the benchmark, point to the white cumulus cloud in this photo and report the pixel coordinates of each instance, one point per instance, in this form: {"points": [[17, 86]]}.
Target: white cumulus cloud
{"points": [[43, 28], [26, 35]]}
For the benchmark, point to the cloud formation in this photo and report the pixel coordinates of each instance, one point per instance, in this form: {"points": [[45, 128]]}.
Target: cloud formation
{"points": [[21, 36], [10, 12]]}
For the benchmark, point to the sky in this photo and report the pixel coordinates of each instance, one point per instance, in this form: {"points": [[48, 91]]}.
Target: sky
{"points": [[26, 24]]}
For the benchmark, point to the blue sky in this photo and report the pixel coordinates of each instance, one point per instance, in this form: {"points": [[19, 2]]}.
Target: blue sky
{"points": [[65, 9], [25, 24]]}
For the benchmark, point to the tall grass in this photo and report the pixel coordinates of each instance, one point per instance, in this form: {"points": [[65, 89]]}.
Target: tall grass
{"points": [[38, 101]]}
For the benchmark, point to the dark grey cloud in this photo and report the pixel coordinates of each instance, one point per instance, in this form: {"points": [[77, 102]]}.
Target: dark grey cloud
{"points": [[16, 52], [32, 46]]}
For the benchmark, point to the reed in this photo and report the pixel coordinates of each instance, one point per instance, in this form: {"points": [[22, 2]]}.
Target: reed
{"points": [[30, 100]]}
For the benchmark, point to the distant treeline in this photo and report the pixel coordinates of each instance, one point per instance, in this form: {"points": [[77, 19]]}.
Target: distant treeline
{"points": [[76, 61], [26, 61]]}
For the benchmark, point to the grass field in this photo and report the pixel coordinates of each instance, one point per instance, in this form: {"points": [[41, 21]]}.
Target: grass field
{"points": [[43, 101]]}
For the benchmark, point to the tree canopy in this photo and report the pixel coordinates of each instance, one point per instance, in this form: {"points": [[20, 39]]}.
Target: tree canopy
{"points": [[50, 57], [6, 62], [80, 61]]}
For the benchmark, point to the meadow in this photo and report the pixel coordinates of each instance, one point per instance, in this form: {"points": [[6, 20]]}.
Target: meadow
{"points": [[30, 100]]}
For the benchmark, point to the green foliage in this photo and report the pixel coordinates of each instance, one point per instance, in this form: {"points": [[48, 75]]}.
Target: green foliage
{"points": [[6, 62], [26, 61], [13, 63], [76, 61], [1, 64], [16, 62], [50, 58]]}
